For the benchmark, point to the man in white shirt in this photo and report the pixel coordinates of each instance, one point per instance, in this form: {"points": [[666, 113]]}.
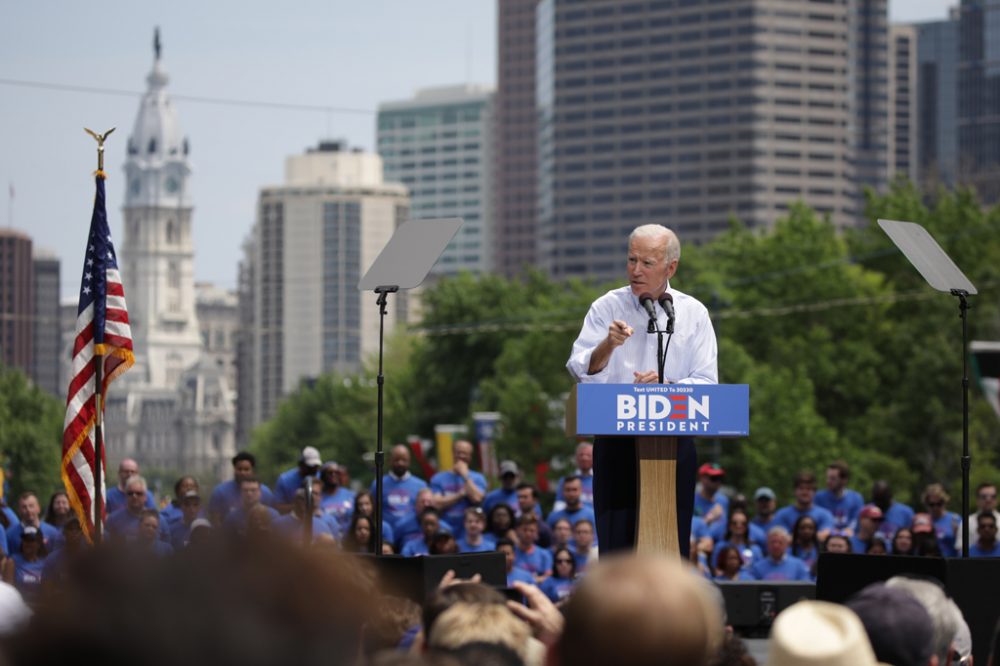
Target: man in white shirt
{"points": [[613, 347]]}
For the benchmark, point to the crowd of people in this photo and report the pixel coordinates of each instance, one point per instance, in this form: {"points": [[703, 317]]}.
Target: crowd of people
{"points": [[732, 538]]}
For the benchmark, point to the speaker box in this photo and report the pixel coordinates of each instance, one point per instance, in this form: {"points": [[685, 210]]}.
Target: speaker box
{"points": [[751, 606], [974, 584]]}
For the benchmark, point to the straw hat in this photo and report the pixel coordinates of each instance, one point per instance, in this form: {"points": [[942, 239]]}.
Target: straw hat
{"points": [[818, 632]]}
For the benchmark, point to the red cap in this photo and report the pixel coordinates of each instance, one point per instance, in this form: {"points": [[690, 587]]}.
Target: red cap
{"points": [[711, 469], [871, 511], [922, 524]]}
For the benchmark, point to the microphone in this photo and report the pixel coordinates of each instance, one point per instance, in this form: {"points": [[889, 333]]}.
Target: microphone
{"points": [[667, 303], [646, 301]]}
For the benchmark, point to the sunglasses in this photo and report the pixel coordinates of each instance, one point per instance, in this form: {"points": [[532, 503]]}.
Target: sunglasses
{"points": [[984, 496], [563, 561], [135, 493]]}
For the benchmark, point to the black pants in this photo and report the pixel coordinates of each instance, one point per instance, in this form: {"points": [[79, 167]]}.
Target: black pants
{"points": [[616, 492]]}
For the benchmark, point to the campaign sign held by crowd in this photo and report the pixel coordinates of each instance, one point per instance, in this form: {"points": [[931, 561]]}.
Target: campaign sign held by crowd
{"points": [[702, 410]]}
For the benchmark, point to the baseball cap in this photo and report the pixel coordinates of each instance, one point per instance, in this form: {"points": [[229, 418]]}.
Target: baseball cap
{"points": [[310, 456], [764, 493], [898, 626], [711, 469], [30, 532], [508, 467], [191, 494], [922, 523], [200, 522], [870, 511]]}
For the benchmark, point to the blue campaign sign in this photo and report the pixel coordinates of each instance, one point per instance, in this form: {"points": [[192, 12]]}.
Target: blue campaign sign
{"points": [[691, 410]]}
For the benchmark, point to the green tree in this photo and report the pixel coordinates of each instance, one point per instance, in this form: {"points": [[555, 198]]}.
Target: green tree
{"points": [[30, 435]]}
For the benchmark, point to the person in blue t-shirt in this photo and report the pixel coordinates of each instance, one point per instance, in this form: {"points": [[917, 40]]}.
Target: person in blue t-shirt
{"points": [[575, 509], [124, 524], [23, 569], [510, 476], [148, 537], [474, 541], [738, 536], [583, 545], [779, 565], [527, 502], [838, 499], [729, 565], [559, 585], [805, 492], [364, 505], [946, 523], [717, 532], [29, 513], [225, 497], [536, 561], [514, 572], [409, 528], [291, 480], [894, 514], [763, 517], [251, 497], [584, 457], [115, 497], [986, 545], [180, 531], [173, 513], [292, 525], [335, 500], [710, 503], [805, 543], [430, 524], [399, 488], [459, 488]]}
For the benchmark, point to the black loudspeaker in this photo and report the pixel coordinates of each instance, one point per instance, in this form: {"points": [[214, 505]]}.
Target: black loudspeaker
{"points": [[974, 584], [417, 577], [752, 606]]}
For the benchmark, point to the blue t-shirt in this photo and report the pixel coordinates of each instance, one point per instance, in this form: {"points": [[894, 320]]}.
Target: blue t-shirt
{"points": [[844, 509], [586, 492], [115, 499], [292, 528], [861, 546], [537, 561], [581, 560], [171, 514], [339, 504], [898, 515], [743, 574], [122, 524], [557, 589], [789, 568], [749, 554], [501, 496], [757, 534], [447, 483], [409, 529], [944, 529], [519, 574], [288, 482], [399, 497], [28, 576], [236, 521], [415, 547], [225, 498], [486, 545], [789, 515], [583, 513], [808, 555], [976, 551], [51, 537], [702, 506], [764, 525]]}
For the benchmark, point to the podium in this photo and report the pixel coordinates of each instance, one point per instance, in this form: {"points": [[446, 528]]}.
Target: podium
{"points": [[656, 415]]}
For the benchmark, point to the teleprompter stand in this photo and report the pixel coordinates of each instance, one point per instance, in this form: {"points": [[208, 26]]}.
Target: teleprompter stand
{"points": [[402, 264], [920, 248]]}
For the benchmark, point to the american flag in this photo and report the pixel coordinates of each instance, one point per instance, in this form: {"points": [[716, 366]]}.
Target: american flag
{"points": [[101, 328]]}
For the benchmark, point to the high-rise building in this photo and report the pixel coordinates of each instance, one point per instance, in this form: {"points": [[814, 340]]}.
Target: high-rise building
{"points": [[175, 410], [868, 59], [17, 300], [689, 113], [515, 162], [979, 97], [937, 102], [902, 139], [439, 144], [47, 342], [314, 238]]}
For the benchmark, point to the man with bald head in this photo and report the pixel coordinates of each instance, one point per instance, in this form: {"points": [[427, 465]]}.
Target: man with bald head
{"points": [[399, 488], [457, 489], [614, 348], [116, 497]]}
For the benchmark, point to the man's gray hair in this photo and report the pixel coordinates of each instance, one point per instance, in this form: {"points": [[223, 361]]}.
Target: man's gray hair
{"points": [[136, 480], [938, 606], [779, 529], [672, 248]]}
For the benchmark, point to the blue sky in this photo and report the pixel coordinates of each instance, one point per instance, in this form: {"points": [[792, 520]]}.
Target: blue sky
{"points": [[344, 54]]}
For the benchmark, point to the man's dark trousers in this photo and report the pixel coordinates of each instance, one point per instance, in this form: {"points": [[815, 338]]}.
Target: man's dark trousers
{"points": [[616, 492]]}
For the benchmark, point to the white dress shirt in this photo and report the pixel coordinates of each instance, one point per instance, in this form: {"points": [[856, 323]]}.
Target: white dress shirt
{"points": [[691, 357]]}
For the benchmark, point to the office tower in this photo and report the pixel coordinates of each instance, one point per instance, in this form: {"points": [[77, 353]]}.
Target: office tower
{"points": [[979, 97], [937, 102], [314, 238], [687, 114], [47, 342], [439, 144], [903, 107], [515, 192], [17, 300], [868, 57]]}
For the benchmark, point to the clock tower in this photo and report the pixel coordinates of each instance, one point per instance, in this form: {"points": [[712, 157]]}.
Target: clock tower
{"points": [[158, 252]]}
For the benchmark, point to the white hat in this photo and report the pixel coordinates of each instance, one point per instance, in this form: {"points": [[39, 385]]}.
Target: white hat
{"points": [[310, 456], [819, 633]]}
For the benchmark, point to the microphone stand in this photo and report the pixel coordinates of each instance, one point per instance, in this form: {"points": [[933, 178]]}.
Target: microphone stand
{"points": [[383, 297], [661, 349]]}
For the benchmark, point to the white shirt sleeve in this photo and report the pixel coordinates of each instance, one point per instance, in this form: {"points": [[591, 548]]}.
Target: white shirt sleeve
{"points": [[595, 329]]}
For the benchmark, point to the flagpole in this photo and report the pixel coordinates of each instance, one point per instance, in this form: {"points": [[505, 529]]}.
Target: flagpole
{"points": [[98, 501]]}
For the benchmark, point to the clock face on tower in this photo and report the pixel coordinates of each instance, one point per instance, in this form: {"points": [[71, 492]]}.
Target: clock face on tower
{"points": [[172, 185]]}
